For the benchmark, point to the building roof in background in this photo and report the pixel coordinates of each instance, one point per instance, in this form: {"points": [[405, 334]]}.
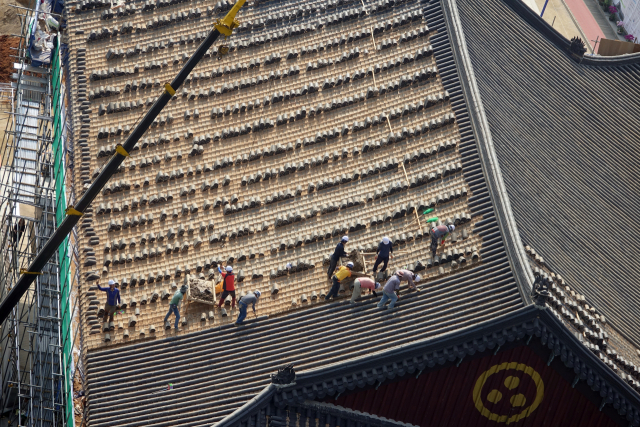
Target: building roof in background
{"points": [[568, 144]]}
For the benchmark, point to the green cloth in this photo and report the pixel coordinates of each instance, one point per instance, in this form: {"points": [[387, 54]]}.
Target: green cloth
{"points": [[177, 297]]}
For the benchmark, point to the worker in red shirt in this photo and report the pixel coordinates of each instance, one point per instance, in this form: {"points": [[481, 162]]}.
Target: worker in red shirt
{"points": [[437, 233], [363, 283], [228, 285]]}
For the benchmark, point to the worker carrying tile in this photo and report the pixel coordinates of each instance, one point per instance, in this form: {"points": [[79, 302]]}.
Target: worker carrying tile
{"points": [[250, 298], [341, 273], [173, 305], [337, 254], [437, 233], [383, 254], [410, 277], [228, 285], [113, 300], [363, 283]]}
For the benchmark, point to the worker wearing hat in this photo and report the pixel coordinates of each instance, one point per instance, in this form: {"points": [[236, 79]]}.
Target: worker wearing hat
{"points": [[337, 254], [113, 300], [408, 276], [341, 273], [228, 286], [363, 283], [384, 252], [250, 298], [173, 306], [437, 233]]}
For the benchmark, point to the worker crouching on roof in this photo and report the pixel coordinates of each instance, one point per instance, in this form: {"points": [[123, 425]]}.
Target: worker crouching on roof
{"points": [[250, 298], [342, 273], [437, 233], [384, 252], [228, 286], [113, 300], [363, 283], [173, 305], [389, 292], [337, 254], [410, 277]]}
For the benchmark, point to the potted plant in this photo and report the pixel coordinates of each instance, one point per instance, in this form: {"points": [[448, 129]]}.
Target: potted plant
{"points": [[605, 5], [629, 37], [612, 13], [621, 29]]}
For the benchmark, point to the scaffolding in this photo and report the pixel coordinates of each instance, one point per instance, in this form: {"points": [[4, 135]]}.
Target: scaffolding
{"points": [[37, 341]]}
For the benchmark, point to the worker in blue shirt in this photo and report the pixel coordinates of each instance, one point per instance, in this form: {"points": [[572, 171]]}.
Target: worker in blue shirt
{"points": [[113, 300], [384, 252], [337, 254]]}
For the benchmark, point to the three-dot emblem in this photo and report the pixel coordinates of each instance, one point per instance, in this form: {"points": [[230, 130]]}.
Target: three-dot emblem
{"points": [[508, 401]]}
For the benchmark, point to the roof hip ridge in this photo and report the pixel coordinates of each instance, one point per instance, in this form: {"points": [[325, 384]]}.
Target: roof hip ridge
{"points": [[491, 169]]}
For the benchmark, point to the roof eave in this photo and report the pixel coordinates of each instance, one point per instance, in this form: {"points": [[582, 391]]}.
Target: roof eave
{"points": [[528, 321]]}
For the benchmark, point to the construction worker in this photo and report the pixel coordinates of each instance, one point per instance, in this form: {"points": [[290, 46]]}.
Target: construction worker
{"points": [[437, 233], [337, 254], [174, 303], [341, 273], [363, 283], [389, 292], [384, 252], [113, 300], [250, 298], [17, 232], [228, 286], [408, 276]]}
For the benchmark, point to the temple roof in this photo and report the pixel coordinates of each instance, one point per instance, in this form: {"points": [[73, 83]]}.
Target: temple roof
{"points": [[458, 161]]}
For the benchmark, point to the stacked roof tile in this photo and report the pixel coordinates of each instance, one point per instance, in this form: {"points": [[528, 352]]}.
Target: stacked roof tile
{"points": [[302, 133]]}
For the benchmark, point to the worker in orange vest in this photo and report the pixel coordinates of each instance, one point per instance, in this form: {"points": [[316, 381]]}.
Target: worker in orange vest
{"points": [[228, 285]]}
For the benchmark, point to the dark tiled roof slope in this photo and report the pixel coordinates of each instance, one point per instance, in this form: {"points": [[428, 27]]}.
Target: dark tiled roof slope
{"points": [[216, 371], [567, 138]]}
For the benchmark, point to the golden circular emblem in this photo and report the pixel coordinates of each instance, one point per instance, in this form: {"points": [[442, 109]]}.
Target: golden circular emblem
{"points": [[511, 383]]}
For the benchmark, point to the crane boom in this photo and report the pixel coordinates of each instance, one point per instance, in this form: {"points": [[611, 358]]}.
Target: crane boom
{"points": [[223, 26]]}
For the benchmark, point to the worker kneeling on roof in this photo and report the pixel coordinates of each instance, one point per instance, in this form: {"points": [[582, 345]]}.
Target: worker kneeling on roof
{"points": [[250, 298], [337, 254], [408, 276], [228, 286], [440, 232], [363, 283], [342, 273]]}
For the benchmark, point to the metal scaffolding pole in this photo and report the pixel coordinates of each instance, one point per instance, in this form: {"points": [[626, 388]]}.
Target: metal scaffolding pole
{"points": [[36, 340]]}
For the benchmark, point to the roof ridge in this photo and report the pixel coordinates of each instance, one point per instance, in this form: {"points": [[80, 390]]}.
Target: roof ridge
{"points": [[493, 176]]}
